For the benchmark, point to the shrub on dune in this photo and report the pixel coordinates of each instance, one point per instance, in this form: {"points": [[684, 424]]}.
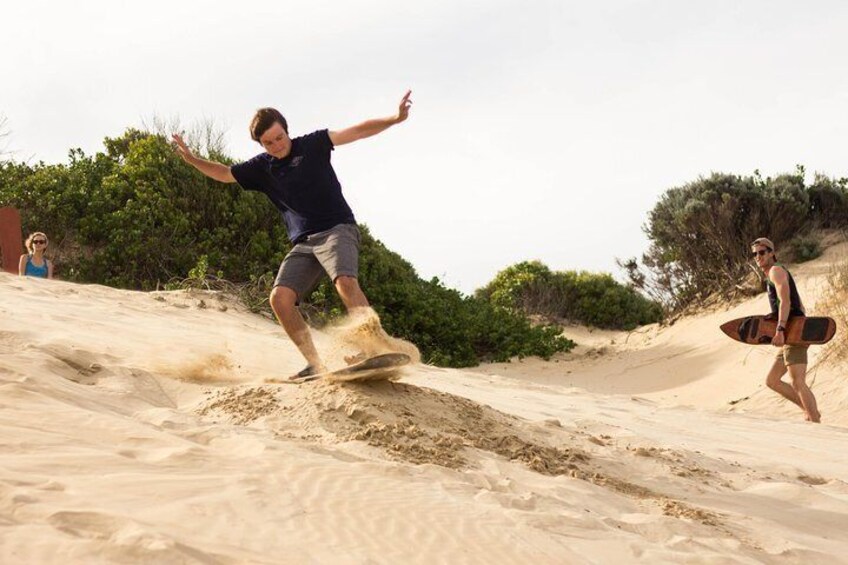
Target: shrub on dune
{"points": [[594, 299]]}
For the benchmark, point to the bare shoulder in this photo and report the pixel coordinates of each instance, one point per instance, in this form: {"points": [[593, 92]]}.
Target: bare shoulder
{"points": [[778, 274]]}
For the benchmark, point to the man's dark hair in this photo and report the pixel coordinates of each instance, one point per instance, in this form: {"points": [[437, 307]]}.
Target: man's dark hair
{"points": [[264, 119]]}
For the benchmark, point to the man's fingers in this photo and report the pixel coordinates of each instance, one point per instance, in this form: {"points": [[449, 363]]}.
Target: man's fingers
{"points": [[180, 143], [405, 104]]}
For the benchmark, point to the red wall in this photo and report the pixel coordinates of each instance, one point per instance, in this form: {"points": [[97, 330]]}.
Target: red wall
{"points": [[11, 239]]}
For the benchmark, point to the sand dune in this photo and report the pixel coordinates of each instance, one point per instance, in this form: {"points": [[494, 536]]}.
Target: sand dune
{"points": [[136, 427]]}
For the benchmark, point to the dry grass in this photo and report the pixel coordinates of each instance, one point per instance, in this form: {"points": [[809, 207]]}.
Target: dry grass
{"points": [[253, 294], [835, 303]]}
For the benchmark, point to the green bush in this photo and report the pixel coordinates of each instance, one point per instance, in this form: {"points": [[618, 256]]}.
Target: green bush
{"points": [[828, 202], [137, 217], [700, 233], [593, 299], [802, 248]]}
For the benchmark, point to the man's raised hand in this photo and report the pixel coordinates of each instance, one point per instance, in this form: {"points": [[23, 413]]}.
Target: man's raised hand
{"points": [[403, 109], [181, 148]]}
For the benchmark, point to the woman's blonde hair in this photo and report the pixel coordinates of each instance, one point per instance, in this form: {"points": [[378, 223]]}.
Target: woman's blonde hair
{"points": [[33, 236]]}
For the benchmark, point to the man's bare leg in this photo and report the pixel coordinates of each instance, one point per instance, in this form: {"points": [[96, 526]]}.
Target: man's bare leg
{"points": [[799, 384], [350, 293], [784, 389], [284, 303]]}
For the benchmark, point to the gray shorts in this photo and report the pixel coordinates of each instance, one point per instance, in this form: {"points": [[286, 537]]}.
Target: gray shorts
{"points": [[335, 252]]}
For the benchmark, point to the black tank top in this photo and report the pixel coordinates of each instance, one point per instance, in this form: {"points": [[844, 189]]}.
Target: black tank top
{"points": [[795, 308]]}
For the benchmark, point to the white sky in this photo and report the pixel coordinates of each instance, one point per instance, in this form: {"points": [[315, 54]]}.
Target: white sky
{"points": [[541, 129]]}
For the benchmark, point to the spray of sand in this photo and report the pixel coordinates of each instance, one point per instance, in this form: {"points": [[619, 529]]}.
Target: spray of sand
{"points": [[361, 335], [209, 367]]}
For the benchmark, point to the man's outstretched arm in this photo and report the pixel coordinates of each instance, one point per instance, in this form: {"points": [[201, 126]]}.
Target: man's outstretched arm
{"points": [[211, 169], [372, 127]]}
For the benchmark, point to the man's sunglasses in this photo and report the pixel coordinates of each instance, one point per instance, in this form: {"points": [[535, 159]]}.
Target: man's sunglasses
{"points": [[761, 252], [39, 241]]}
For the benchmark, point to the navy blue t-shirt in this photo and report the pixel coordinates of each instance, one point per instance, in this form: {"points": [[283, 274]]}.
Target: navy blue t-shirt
{"points": [[303, 185]]}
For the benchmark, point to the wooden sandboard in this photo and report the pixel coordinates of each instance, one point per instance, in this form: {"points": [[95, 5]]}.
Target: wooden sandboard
{"points": [[379, 367], [800, 330]]}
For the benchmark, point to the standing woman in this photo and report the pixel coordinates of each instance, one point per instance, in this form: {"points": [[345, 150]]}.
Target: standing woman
{"points": [[35, 264]]}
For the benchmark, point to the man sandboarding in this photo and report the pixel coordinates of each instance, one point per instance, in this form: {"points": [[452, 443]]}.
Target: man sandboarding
{"points": [[296, 174], [785, 302]]}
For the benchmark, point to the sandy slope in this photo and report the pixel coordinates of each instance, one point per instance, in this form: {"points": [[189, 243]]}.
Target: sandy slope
{"points": [[691, 362], [136, 428]]}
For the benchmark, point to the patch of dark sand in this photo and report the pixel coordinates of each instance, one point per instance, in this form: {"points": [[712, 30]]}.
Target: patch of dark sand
{"points": [[241, 406]]}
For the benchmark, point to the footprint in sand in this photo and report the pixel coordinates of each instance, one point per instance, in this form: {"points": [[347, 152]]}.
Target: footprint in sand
{"points": [[129, 537], [90, 525], [74, 364], [11, 342]]}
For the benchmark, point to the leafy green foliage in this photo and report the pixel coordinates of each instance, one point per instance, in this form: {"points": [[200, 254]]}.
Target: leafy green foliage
{"points": [[700, 233], [136, 216], [594, 299], [804, 248]]}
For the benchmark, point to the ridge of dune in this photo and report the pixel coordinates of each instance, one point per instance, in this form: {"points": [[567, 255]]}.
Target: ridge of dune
{"points": [[138, 427]]}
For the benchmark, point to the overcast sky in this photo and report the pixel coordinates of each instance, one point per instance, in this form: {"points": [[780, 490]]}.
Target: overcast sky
{"points": [[540, 129]]}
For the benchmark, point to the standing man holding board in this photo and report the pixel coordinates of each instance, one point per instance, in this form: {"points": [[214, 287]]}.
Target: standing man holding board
{"points": [[296, 174], [785, 302]]}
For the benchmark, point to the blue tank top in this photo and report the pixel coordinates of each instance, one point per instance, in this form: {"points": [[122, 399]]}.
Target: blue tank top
{"points": [[33, 271]]}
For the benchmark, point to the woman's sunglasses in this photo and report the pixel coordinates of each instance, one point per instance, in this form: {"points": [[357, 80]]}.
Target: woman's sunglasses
{"points": [[761, 252], [39, 241]]}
